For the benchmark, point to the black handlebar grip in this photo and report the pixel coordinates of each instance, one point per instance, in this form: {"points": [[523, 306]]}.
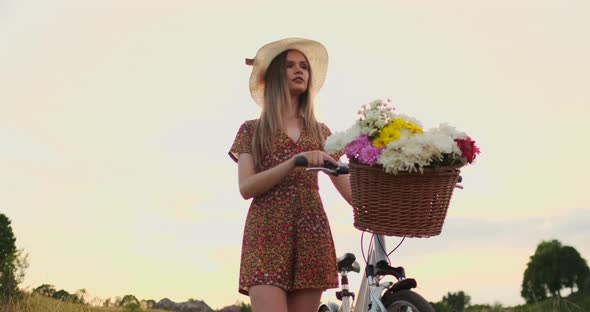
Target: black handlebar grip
{"points": [[340, 169], [300, 161], [329, 165], [343, 170]]}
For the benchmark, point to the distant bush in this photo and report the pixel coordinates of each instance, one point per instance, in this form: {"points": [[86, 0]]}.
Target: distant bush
{"points": [[245, 307], [132, 307]]}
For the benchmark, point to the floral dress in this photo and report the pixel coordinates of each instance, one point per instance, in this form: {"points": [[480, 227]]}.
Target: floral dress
{"points": [[287, 239]]}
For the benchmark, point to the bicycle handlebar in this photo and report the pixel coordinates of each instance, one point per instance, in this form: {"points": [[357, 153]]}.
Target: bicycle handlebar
{"points": [[328, 167]]}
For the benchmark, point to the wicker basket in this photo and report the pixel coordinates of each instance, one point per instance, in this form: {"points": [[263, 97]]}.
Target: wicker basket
{"points": [[406, 204]]}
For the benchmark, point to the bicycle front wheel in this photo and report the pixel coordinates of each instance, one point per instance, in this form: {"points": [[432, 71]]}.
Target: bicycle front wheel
{"points": [[406, 301]]}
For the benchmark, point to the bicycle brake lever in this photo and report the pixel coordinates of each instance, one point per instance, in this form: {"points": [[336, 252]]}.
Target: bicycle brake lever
{"points": [[331, 169], [328, 167], [324, 169]]}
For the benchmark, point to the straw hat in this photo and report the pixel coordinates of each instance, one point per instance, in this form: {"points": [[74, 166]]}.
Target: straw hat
{"points": [[316, 54]]}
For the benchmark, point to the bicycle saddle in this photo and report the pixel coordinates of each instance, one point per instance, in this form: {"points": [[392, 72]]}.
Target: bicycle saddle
{"points": [[347, 263]]}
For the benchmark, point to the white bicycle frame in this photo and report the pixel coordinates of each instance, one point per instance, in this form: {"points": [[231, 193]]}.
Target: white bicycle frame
{"points": [[369, 295], [370, 290]]}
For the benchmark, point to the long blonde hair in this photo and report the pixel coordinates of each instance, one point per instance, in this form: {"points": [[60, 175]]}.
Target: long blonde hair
{"points": [[277, 99]]}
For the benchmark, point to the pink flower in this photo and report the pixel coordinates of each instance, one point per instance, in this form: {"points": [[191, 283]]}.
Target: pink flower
{"points": [[468, 148], [369, 155], [353, 149], [362, 150]]}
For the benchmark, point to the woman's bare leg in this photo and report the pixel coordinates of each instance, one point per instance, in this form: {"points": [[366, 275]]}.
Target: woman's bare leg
{"points": [[266, 298], [304, 300]]}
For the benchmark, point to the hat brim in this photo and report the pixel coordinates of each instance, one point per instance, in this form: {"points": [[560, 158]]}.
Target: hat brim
{"points": [[316, 55]]}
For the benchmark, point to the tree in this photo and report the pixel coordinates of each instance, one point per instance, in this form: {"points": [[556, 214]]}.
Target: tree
{"points": [[532, 288], [574, 268], [552, 268], [440, 306], [127, 300], [148, 304], [457, 302], [21, 262], [66, 296], [45, 290], [151, 303], [586, 287], [8, 259], [82, 294]]}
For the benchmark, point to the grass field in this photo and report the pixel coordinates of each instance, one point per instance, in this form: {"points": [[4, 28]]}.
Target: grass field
{"points": [[36, 303], [573, 303]]}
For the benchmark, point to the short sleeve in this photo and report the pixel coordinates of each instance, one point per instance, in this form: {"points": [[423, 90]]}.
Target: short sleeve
{"points": [[243, 141], [326, 132]]}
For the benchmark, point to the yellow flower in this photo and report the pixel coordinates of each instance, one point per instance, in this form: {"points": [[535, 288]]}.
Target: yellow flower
{"points": [[399, 123], [379, 142], [414, 128], [388, 133], [392, 131]]}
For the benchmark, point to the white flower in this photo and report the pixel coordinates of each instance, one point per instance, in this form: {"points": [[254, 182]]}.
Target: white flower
{"points": [[380, 123], [440, 142], [405, 133], [389, 114], [368, 128], [407, 152], [374, 104], [449, 131], [403, 155], [338, 141], [417, 150], [374, 116]]}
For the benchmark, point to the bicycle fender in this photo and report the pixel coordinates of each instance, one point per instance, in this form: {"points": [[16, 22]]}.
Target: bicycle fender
{"points": [[405, 284]]}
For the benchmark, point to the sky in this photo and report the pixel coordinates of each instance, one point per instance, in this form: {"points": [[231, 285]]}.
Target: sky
{"points": [[116, 118]]}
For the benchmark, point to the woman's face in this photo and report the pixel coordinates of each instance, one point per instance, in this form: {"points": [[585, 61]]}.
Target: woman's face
{"points": [[297, 72]]}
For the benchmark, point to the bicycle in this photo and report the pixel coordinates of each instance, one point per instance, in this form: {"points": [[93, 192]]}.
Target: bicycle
{"points": [[373, 295]]}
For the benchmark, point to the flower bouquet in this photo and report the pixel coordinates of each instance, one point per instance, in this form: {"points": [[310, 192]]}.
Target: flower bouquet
{"points": [[402, 177]]}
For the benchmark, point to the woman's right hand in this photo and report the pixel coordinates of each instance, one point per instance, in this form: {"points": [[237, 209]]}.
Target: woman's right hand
{"points": [[316, 158]]}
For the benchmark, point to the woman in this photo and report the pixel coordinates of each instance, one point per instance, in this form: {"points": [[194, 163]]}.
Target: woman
{"points": [[288, 256]]}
